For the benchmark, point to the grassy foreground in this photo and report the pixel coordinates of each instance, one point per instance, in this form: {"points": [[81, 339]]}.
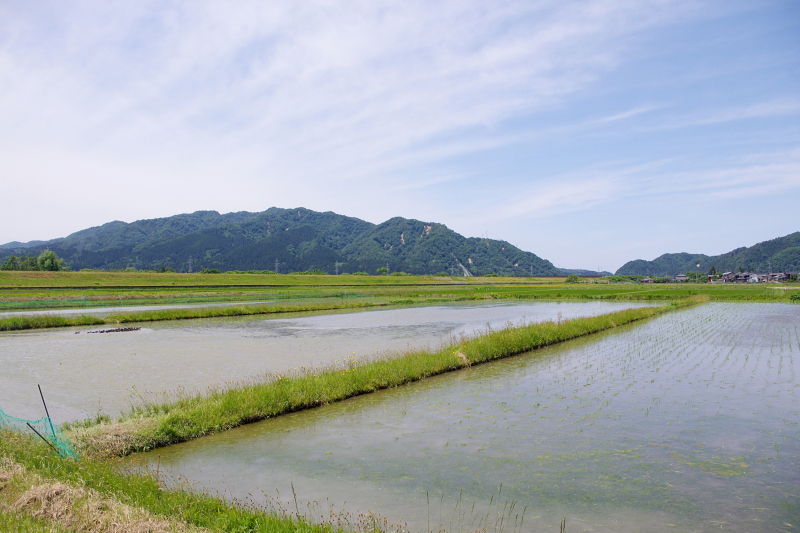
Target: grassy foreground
{"points": [[39, 492], [156, 425]]}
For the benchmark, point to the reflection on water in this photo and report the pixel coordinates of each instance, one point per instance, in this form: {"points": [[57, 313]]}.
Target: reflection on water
{"points": [[688, 422], [82, 373]]}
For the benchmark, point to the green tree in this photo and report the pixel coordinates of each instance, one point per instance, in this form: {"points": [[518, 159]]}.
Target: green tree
{"points": [[11, 263], [48, 260], [382, 270], [712, 271], [695, 275], [20, 263], [573, 278]]}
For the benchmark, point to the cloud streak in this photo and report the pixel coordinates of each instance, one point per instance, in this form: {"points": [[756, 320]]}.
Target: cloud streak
{"points": [[301, 85]]}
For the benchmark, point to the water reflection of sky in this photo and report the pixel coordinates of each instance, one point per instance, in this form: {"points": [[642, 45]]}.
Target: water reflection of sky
{"points": [[81, 373], [687, 422]]}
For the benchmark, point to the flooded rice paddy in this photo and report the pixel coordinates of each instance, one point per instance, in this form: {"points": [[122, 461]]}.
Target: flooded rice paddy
{"points": [[106, 310], [82, 374], [687, 422]]}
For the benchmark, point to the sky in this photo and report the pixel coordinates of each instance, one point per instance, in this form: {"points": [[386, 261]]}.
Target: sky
{"points": [[589, 132]]}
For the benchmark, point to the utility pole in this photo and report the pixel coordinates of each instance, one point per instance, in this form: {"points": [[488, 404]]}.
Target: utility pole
{"points": [[531, 270]]}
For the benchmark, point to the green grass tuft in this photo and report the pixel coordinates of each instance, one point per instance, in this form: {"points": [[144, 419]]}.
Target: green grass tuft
{"points": [[46, 321]]}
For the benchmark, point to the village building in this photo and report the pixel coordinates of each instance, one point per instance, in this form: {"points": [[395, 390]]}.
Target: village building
{"points": [[779, 276], [742, 277]]}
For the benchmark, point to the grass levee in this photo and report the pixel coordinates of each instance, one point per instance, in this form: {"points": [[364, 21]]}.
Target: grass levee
{"points": [[21, 322], [47, 321], [160, 424], [243, 310], [41, 492]]}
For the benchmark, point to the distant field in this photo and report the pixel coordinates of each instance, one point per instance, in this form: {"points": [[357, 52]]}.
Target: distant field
{"points": [[9, 279], [58, 290]]}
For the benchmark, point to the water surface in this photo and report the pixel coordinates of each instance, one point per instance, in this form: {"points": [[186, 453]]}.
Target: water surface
{"points": [[687, 422], [83, 373], [106, 310]]}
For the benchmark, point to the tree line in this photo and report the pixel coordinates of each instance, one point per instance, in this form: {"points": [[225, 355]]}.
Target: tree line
{"points": [[47, 260]]}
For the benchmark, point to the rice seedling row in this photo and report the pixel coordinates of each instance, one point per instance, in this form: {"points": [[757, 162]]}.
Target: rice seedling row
{"points": [[687, 421]]}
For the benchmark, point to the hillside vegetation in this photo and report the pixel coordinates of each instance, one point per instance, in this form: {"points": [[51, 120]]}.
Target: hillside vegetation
{"points": [[297, 239], [779, 255]]}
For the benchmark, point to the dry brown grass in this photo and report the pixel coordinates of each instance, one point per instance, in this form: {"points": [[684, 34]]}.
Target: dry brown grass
{"points": [[111, 440], [463, 358], [74, 508]]}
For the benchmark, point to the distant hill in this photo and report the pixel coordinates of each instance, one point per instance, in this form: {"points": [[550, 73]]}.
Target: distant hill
{"points": [[17, 244], [582, 272], [298, 239], [780, 255]]}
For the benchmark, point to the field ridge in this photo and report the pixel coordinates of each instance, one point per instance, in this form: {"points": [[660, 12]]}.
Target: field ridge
{"points": [[156, 425]]}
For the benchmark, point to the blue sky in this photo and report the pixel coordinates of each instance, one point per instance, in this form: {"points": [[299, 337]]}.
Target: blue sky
{"points": [[590, 133]]}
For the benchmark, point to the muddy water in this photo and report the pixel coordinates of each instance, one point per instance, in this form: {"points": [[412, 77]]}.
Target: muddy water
{"points": [[83, 373], [688, 422]]}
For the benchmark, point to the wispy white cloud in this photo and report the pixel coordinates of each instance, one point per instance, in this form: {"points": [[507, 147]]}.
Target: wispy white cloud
{"points": [[780, 173], [307, 86], [779, 107], [549, 199], [624, 115], [773, 108], [583, 189]]}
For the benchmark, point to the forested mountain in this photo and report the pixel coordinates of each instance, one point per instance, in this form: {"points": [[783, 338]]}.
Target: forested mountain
{"points": [[779, 255], [297, 239]]}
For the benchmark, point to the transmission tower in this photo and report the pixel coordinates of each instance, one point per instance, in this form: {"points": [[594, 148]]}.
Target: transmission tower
{"points": [[190, 263]]}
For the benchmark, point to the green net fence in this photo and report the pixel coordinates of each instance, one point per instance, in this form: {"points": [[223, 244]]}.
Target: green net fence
{"points": [[43, 428]]}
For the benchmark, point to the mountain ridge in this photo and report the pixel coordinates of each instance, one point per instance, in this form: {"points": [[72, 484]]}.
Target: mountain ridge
{"points": [[297, 239], [778, 255]]}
